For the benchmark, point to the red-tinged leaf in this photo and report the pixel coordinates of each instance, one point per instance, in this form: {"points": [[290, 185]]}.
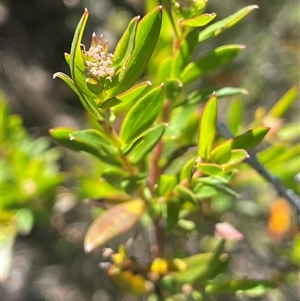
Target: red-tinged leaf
{"points": [[207, 127], [113, 222]]}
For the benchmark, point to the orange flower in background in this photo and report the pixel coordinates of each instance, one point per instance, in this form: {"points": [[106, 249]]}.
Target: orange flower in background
{"points": [[280, 218]]}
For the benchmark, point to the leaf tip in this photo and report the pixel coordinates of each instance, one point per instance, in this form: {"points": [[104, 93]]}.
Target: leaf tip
{"points": [[86, 11]]}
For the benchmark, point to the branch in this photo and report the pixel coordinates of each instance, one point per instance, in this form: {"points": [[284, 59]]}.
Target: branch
{"points": [[282, 191]]}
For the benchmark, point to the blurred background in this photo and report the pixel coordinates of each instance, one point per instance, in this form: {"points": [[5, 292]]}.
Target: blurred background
{"points": [[48, 261]]}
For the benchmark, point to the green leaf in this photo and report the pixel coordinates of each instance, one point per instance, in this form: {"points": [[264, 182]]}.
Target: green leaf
{"points": [[250, 139], [186, 195], [164, 70], [220, 56], [173, 88], [258, 286], [187, 171], [166, 184], [222, 153], [113, 222], [172, 213], [207, 127], [199, 96], [237, 156], [76, 59], [199, 21], [235, 116], [90, 141], [142, 115], [146, 37], [62, 136], [126, 44], [149, 141], [218, 27], [25, 220], [130, 97], [101, 189], [211, 169], [284, 103], [184, 54]]}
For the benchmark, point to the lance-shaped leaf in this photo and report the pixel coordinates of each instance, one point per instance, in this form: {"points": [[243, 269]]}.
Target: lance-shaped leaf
{"points": [[184, 53], [103, 191], [95, 143], [207, 127], [237, 156], [126, 44], [210, 169], [199, 21], [284, 103], [62, 136], [142, 115], [235, 116], [113, 222], [222, 153], [130, 97], [146, 37], [199, 96], [257, 287], [210, 61], [90, 107], [149, 141], [218, 27]]}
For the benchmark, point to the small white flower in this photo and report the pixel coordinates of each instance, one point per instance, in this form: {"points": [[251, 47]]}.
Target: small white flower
{"points": [[98, 60]]}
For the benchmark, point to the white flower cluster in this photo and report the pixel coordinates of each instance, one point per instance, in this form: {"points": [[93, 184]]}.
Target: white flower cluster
{"points": [[98, 60]]}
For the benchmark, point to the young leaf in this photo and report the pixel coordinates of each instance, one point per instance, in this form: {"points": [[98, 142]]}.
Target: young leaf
{"points": [[113, 222], [62, 136], [150, 139], [207, 127], [250, 139], [284, 103], [142, 115], [199, 96], [242, 284], [237, 156], [218, 27], [199, 21], [95, 143], [101, 189], [146, 37], [235, 116], [210, 61], [184, 53], [210, 169], [131, 96], [126, 44]]}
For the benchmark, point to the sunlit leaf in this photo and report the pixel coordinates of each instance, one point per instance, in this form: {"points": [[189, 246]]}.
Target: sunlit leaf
{"points": [[147, 33], [211, 169], [142, 115], [218, 27], [199, 21], [207, 127], [113, 222], [284, 103], [199, 96], [215, 59], [149, 141], [235, 116], [259, 287]]}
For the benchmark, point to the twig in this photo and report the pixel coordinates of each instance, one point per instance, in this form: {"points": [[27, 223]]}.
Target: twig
{"points": [[282, 191]]}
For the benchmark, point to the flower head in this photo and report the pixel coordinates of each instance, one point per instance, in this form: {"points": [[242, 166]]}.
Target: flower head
{"points": [[98, 60]]}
